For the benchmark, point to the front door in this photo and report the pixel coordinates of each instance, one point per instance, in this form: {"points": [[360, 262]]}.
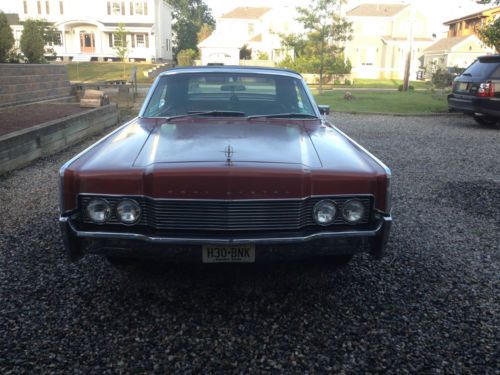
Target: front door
{"points": [[87, 42]]}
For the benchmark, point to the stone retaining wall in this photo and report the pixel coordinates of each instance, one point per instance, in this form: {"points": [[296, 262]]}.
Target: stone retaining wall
{"points": [[26, 83], [19, 148]]}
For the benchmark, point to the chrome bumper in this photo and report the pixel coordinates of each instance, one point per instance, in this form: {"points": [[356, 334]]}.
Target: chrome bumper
{"points": [[77, 243]]}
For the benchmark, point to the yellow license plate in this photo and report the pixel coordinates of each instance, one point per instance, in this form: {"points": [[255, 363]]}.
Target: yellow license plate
{"points": [[228, 254]]}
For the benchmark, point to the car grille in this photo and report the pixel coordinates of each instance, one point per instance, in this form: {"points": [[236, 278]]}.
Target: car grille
{"points": [[221, 215]]}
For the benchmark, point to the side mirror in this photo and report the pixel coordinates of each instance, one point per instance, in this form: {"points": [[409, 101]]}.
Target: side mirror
{"points": [[324, 109]]}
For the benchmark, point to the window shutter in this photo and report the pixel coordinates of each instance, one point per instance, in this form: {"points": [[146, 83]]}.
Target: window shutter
{"points": [[110, 40], [131, 8], [147, 40], [123, 8], [132, 37], [109, 8], [145, 8]]}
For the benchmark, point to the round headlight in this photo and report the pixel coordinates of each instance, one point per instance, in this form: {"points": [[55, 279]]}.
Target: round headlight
{"points": [[353, 211], [98, 211], [128, 211], [324, 212]]}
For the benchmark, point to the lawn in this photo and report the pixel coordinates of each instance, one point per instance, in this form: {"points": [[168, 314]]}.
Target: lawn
{"points": [[385, 102], [378, 83], [98, 72]]}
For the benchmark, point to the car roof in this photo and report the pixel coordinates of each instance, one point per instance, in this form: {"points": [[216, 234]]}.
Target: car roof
{"points": [[231, 69]]}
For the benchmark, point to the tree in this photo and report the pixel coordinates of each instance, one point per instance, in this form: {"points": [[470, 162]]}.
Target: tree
{"points": [[325, 29], [205, 31], [186, 57], [245, 53], [32, 42], [120, 45], [490, 34], [189, 16], [496, 2], [36, 35], [6, 38]]}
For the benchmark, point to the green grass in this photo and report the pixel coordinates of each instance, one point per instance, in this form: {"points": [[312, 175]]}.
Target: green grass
{"points": [[385, 102], [364, 83], [98, 72]]}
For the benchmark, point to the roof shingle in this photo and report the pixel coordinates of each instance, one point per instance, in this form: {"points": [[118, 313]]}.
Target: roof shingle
{"points": [[247, 13], [376, 10], [446, 44]]}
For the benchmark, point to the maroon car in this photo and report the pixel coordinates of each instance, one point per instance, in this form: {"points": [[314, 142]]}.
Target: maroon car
{"points": [[226, 164]]}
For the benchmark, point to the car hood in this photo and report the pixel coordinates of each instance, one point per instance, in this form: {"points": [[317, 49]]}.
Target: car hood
{"points": [[241, 141]]}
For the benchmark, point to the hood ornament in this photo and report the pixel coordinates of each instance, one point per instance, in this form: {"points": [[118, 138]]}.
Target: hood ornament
{"points": [[229, 152]]}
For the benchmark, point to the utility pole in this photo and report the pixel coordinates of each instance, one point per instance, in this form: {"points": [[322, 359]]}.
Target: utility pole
{"points": [[406, 82]]}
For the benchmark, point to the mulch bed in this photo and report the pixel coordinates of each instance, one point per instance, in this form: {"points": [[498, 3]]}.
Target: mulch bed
{"points": [[13, 119]]}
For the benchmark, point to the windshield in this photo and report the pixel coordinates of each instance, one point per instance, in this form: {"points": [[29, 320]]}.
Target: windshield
{"points": [[225, 94]]}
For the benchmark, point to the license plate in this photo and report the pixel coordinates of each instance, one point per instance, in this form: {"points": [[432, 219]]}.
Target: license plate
{"points": [[228, 254]]}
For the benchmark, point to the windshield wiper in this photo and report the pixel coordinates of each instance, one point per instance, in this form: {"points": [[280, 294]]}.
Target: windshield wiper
{"points": [[467, 74], [284, 115], [208, 113]]}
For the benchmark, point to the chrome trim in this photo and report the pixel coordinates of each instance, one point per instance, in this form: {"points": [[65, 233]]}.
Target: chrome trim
{"points": [[333, 196], [220, 241]]}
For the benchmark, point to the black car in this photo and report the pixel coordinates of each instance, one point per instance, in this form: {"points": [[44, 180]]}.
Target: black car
{"points": [[477, 91]]}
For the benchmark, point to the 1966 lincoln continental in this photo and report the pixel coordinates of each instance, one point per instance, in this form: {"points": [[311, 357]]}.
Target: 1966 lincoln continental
{"points": [[226, 164]]}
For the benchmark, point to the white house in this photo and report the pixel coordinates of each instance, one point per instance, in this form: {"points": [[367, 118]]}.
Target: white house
{"points": [[258, 28], [86, 26], [380, 40]]}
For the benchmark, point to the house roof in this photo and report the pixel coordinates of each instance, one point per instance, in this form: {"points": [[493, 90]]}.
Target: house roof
{"points": [[247, 13], [256, 38], [12, 18], [376, 10], [484, 13], [447, 44]]}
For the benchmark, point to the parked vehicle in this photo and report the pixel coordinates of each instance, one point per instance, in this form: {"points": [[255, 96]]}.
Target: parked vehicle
{"points": [[477, 91], [226, 164]]}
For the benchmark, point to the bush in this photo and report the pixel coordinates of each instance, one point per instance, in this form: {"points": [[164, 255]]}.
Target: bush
{"points": [[6, 38], [186, 57], [442, 78], [410, 88], [32, 42], [336, 81], [262, 55], [347, 82]]}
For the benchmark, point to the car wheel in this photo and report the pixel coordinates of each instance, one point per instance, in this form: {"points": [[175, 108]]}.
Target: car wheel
{"points": [[338, 260], [485, 120]]}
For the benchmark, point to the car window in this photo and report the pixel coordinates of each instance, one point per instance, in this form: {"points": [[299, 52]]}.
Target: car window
{"points": [[496, 73], [252, 94], [481, 69]]}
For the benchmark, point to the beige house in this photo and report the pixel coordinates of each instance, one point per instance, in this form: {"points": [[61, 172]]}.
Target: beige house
{"points": [[380, 41], [459, 51]]}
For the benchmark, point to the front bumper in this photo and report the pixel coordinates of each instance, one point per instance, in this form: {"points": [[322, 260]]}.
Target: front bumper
{"points": [[182, 248], [486, 106]]}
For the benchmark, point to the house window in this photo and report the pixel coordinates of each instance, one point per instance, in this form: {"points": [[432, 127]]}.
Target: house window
{"points": [[61, 7], [139, 7], [116, 8], [140, 40], [117, 42], [57, 41], [47, 7], [39, 6], [25, 6]]}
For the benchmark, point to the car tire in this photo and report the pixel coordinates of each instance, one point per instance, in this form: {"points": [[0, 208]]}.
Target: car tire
{"points": [[338, 260], [486, 120]]}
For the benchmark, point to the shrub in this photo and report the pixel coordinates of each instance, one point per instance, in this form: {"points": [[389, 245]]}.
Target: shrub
{"points": [[32, 42], [336, 81], [347, 82], [6, 38], [262, 55], [185, 57], [442, 78]]}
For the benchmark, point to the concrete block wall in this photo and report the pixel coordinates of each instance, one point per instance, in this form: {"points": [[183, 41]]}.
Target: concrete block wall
{"points": [[26, 83], [19, 148]]}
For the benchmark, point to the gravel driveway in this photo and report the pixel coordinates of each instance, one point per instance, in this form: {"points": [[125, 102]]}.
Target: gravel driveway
{"points": [[430, 306]]}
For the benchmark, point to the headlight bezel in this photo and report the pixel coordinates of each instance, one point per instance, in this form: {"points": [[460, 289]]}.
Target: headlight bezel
{"points": [[345, 216], [317, 207], [119, 217], [107, 214]]}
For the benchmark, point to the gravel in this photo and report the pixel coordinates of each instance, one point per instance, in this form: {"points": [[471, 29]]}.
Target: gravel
{"points": [[430, 306]]}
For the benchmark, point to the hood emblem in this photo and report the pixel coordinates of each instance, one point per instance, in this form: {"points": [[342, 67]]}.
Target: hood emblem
{"points": [[229, 152]]}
